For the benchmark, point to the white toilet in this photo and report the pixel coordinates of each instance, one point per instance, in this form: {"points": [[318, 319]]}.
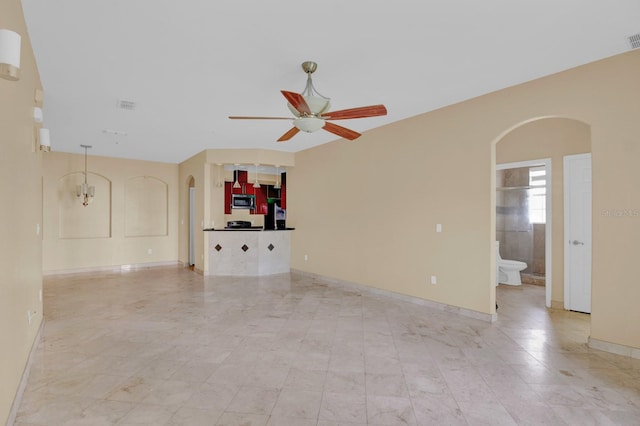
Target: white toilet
{"points": [[508, 270]]}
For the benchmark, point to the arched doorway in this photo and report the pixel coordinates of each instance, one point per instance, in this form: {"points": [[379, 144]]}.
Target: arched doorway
{"points": [[545, 140], [191, 190]]}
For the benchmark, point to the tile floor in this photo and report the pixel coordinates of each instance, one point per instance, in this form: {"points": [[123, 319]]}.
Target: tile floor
{"points": [[167, 346]]}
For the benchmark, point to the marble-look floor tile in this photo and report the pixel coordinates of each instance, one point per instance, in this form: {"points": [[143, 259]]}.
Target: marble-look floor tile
{"points": [[437, 410], [297, 404], [345, 382], [340, 408], [389, 411], [489, 414], [187, 416], [586, 417], [524, 412], [386, 385], [562, 395], [133, 389], [169, 346], [103, 412], [212, 395], [290, 421], [170, 393], [309, 380], [148, 414], [46, 409], [250, 400]]}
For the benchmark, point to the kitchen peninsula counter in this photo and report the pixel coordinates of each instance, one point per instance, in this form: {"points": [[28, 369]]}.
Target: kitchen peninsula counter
{"points": [[240, 252]]}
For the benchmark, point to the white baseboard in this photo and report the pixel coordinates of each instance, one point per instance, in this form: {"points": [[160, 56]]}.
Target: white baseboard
{"points": [[614, 348], [25, 377], [113, 268], [411, 299]]}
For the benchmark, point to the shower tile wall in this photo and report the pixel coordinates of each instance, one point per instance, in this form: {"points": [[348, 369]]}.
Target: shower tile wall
{"points": [[539, 237], [513, 230]]}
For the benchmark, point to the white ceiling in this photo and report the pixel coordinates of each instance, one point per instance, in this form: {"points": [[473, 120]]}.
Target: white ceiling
{"points": [[189, 64]]}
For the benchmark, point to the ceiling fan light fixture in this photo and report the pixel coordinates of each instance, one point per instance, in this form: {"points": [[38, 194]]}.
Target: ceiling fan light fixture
{"points": [[317, 105], [309, 124]]}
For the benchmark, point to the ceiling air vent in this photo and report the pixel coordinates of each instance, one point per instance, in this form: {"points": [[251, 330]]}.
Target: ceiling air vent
{"points": [[126, 104], [635, 41]]}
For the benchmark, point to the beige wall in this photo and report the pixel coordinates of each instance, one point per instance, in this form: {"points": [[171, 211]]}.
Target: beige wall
{"points": [[366, 211], [116, 228], [20, 214], [549, 138]]}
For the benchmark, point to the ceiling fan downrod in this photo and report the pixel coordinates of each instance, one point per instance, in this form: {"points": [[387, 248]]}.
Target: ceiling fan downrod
{"points": [[309, 68]]}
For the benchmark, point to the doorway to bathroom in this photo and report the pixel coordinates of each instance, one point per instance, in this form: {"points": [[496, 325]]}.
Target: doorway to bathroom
{"points": [[523, 219]]}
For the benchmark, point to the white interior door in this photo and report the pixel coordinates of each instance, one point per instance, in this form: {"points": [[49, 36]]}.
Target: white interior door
{"points": [[577, 232]]}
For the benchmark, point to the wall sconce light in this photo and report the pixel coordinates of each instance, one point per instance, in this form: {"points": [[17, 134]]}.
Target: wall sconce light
{"points": [[42, 136], [45, 140], [10, 55], [38, 116]]}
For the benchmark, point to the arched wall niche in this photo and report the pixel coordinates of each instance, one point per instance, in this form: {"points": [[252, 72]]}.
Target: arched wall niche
{"points": [[77, 220], [146, 207]]}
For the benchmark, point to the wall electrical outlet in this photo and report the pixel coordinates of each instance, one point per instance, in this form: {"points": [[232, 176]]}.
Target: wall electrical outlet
{"points": [[149, 251], [306, 257], [438, 227], [434, 280]]}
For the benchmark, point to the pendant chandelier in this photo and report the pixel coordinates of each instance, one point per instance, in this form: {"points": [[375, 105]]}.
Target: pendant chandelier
{"points": [[277, 185], [256, 184], [236, 184], [84, 191]]}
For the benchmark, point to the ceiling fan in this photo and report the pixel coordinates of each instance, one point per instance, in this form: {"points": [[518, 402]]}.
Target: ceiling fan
{"points": [[311, 111]]}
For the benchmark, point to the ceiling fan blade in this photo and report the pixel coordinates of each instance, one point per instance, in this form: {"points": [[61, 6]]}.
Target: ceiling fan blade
{"points": [[341, 131], [297, 101], [291, 133], [242, 117], [360, 112]]}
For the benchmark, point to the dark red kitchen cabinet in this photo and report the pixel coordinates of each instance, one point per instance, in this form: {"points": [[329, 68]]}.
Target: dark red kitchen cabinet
{"points": [[283, 190], [261, 200]]}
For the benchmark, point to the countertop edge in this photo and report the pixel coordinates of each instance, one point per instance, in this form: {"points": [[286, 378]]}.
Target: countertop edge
{"points": [[247, 229]]}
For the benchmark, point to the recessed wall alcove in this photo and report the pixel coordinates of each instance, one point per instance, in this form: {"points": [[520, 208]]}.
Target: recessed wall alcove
{"points": [[146, 206], [78, 221]]}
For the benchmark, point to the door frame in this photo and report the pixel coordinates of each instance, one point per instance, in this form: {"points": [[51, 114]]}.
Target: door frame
{"points": [[546, 162], [567, 220], [192, 245]]}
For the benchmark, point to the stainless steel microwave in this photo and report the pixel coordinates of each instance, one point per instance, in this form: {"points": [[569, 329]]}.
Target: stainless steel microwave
{"points": [[243, 201]]}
